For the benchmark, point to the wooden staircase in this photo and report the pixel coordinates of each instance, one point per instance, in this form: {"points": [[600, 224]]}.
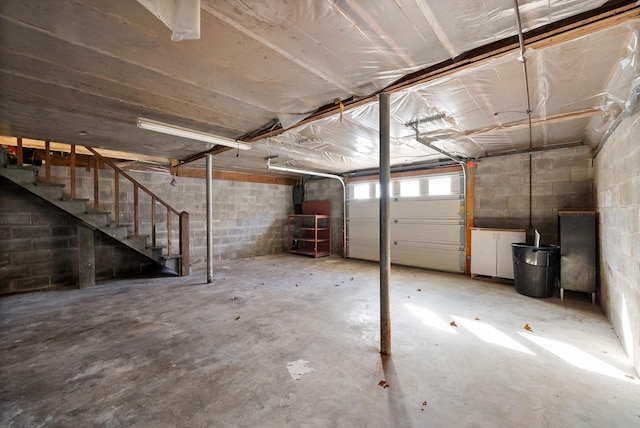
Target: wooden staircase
{"points": [[108, 222]]}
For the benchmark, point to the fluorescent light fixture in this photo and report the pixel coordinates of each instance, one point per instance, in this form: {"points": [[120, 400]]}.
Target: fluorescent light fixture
{"points": [[178, 131]]}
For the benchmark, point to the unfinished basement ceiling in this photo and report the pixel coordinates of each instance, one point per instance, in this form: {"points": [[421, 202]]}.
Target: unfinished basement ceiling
{"points": [[82, 72]]}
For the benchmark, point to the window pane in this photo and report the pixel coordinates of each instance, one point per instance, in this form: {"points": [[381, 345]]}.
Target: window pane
{"points": [[440, 186], [378, 190], [361, 191], [410, 188]]}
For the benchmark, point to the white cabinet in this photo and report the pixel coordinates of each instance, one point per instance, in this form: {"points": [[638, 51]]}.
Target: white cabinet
{"points": [[491, 251]]}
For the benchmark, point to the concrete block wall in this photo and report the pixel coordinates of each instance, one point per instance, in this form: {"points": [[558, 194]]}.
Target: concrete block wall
{"points": [[37, 242], [561, 180], [617, 178], [250, 219], [329, 189], [39, 245]]}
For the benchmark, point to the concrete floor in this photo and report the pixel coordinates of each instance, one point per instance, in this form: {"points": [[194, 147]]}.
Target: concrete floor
{"points": [[171, 352]]}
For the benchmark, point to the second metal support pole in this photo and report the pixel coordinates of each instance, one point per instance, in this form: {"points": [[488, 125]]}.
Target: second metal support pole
{"points": [[209, 181], [385, 244]]}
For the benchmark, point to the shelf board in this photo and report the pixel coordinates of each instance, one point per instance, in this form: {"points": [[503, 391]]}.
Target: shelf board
{"points": [[311, 240], [311, 228], [311, 253]]}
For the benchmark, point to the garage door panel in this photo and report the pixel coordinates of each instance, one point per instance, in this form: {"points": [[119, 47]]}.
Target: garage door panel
{"points": [[444, 258], [425, 232], [364, 249], [447, 208], [364, 209], [367, 228]]}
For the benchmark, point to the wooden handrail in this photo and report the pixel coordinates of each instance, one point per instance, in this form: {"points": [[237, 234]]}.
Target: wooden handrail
{"points": [[183, 217], [133, 180]]}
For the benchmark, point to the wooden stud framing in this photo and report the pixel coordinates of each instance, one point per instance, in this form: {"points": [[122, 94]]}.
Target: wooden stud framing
{"points": [[19, 152], [96, 186], [136, 211], [153, 221], [116, 196], [73, 172], [47, 160]]}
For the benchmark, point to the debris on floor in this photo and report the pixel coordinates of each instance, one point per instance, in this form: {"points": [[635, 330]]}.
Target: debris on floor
{"points": [[453, 324], [477, 319], [424, 404], [298, 368], [233, 298], [419, 289], [383, 383], [238, 317], [528, 327]]}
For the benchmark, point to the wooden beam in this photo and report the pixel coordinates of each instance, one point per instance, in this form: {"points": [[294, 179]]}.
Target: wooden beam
{"points": [[522, 124], [80, 150], [235, 176]]}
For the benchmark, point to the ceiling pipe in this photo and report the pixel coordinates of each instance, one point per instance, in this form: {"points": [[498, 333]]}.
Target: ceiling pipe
{"points": [[324, 175], [523, 60]]}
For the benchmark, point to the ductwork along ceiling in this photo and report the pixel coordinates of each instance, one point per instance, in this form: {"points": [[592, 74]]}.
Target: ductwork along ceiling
{"points": [[299, 78]]}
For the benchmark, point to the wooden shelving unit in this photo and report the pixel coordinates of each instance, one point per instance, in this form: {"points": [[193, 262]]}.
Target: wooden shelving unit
{"points": [[310, 235]]}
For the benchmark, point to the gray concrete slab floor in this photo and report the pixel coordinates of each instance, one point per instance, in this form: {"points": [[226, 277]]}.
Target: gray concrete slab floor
{"points": [[289, 341]]}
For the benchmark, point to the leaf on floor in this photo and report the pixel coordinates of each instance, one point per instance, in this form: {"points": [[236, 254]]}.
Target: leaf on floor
{"points": [[528, 327], [629, 376], [453, 323], [383, 384]]}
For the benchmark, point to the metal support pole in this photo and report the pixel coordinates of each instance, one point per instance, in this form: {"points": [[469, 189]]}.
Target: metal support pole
{"points": [[209, 179], [385, 246]]}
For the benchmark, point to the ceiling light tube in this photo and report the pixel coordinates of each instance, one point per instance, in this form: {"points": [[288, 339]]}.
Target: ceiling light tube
{"points": [[178, 131]]}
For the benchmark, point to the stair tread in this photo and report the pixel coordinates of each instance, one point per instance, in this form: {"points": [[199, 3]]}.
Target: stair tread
{"points": [[43, 184], [22, 168]]}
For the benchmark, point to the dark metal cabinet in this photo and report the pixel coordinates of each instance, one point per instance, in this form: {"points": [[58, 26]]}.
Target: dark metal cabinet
{"points": [[578, 238]]}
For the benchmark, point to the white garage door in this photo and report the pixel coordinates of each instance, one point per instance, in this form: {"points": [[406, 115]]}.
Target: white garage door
{"points": [[427, 221]]}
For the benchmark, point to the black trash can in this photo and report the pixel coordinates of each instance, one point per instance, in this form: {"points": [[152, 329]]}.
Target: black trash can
{"points": [[535, 269]]}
